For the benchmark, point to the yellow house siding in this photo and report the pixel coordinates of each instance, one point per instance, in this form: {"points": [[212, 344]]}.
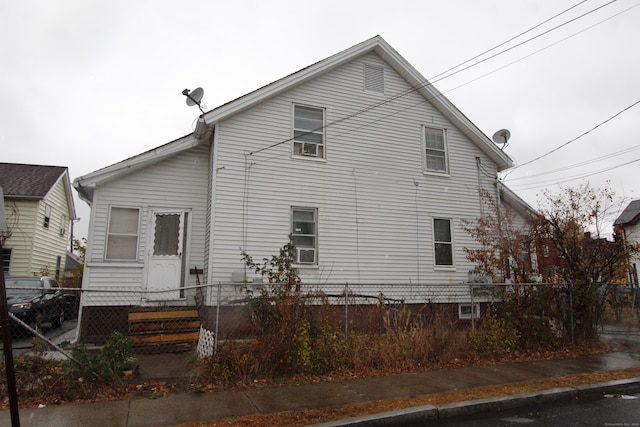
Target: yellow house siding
{"points": [[50, 242], [21, 216]]}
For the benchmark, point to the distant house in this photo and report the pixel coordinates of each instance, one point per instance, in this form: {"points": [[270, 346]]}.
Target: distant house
{"points": [[628, 224], [358, 157], [39, 209]]}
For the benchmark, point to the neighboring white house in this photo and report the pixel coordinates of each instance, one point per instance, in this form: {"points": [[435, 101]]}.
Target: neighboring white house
{"points": [[39, 209], [363, 161], [629, 223]]}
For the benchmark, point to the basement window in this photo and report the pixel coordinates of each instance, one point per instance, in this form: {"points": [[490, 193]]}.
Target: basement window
{"points": [[464, 311]]}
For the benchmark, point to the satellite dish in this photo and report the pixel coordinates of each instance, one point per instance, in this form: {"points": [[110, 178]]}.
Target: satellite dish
{"points": [[502, 137], [194, 97]]}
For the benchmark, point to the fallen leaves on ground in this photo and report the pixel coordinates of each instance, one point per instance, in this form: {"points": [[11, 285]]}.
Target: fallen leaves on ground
{"points": [[301, 418]]}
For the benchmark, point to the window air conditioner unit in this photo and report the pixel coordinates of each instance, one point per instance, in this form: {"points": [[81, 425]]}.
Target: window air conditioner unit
{"points": [[306, 256]]}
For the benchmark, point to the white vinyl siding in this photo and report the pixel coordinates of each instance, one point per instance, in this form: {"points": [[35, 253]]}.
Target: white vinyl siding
{"points": [[375, 203], [180, 183]]}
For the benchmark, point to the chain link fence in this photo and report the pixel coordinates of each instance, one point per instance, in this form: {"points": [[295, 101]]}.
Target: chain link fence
{"points": [[167, 336]]}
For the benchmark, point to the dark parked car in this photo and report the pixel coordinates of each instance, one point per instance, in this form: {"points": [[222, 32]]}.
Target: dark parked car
{"points": [[35, 300]]}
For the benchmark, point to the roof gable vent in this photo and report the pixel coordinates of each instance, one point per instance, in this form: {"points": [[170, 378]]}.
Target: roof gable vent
{"points": [[373, 79]]}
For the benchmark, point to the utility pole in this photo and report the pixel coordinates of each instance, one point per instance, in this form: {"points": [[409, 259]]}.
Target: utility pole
{"points": [[4, 324]]}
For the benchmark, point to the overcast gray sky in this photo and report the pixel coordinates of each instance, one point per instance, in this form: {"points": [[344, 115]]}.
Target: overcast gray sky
{"points": [[86, 84]]}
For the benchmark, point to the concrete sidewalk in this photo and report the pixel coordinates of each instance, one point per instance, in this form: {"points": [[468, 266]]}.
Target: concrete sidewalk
{"points": [[191, 407]]}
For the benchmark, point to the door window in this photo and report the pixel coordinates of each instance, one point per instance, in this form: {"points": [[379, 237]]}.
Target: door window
{"points": [[167, 235]]}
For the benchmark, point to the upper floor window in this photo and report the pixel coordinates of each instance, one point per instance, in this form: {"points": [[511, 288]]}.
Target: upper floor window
{"points": [[443, 243], [122, 237], [304, 232], [63, 225], [47, 216], [308, 131], [435, 145]]}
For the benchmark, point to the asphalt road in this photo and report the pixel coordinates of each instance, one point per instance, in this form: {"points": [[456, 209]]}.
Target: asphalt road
{"points": [[615, 410]]}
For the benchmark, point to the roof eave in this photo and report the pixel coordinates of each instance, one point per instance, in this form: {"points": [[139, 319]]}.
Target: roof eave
{"points": [[86, 184]]}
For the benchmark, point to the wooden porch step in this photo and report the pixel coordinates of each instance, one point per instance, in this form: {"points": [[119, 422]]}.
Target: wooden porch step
{"points": [[164, 330]]}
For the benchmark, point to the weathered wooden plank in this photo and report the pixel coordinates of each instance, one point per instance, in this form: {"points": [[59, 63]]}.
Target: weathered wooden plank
{"points": [[168, 325], [140, 316], [165, 338]]}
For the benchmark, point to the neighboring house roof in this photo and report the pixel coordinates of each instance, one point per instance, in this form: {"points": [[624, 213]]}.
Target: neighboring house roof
{"points": [[28, 181], [518, 204], [22, 181], [72, 261], [630, 215], [208, 121]]}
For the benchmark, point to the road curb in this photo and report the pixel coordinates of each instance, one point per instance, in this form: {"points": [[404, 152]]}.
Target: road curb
{"points": [[425, 413]]}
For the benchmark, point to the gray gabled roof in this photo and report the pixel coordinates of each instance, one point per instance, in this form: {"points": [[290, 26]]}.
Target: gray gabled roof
{"points": [[21, 181], [28, 181], [630, 215]]}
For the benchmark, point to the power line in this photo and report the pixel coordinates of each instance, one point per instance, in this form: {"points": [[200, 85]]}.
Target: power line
{"points": [[577, 165], [572, 178], [526, 41], [427, 82], [573, 140], [543, 49], [509, 40]]}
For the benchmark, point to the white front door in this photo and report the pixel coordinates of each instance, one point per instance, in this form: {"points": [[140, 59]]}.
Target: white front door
{"points": [[165, 275]]}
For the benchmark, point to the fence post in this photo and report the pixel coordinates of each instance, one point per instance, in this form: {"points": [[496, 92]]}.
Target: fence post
{"points": [[473, 309], [346, 308], [215, 336]]}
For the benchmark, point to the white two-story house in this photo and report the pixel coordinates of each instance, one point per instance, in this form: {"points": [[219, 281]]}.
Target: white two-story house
{"points": [[358, 157]]}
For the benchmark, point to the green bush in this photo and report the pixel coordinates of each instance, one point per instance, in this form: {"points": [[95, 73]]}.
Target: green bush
{"points": [[113, 358], [494, 338]]}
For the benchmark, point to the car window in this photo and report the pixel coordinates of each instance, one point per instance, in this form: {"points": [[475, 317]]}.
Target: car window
{"points": [[50, 284], [22, 287]]}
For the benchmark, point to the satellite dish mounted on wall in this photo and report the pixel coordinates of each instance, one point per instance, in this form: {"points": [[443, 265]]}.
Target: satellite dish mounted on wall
{"points": [[194, 97], [502, 137]]}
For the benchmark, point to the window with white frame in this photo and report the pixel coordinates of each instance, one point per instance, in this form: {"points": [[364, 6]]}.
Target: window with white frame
{"points": [[6, 260], [63, 225], [122, 237], [308, 131], [468, 311], [47, 216], [443, 244], [435, 148], [304, 233]]}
